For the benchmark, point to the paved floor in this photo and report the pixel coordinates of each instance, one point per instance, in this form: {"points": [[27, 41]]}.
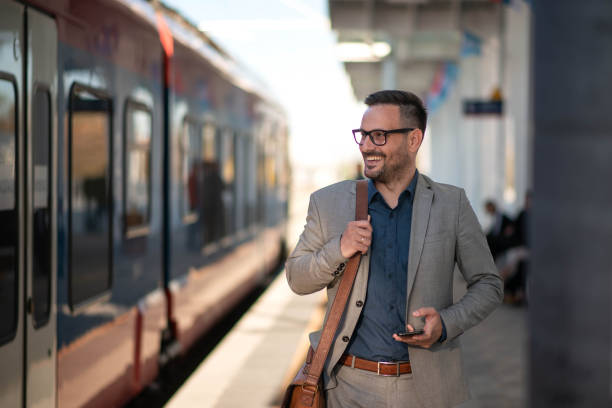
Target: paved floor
{"points": [[495, 357]]}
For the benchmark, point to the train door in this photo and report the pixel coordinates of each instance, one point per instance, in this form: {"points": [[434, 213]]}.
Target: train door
{"points": [[40, 210], [27, 174], [11, 205]]}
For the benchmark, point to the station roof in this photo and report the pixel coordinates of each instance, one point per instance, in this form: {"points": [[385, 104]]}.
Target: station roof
{"points": [[416, 36]]}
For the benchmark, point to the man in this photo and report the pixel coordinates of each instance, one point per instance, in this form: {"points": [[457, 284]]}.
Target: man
{"points": [[417, 230]]}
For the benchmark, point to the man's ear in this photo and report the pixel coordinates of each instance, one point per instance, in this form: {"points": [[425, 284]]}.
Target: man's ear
{"points": [[416, 138]]}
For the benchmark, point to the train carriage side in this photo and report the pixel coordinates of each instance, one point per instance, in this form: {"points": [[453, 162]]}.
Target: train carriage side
{"points": [[222, 244], [86, 135], [111, 309]]}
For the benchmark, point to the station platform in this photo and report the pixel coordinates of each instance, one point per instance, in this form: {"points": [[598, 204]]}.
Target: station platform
{"points": [[253, 364], [257, 359]]}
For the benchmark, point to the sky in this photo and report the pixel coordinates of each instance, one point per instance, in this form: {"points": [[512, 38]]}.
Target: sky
{"points": [[290, 46]]}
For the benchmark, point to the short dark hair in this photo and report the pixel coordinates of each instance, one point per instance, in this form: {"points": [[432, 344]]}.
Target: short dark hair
{"points": [[411, 106]]}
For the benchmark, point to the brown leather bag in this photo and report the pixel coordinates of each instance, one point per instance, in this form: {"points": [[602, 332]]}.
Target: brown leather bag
{"points": [[298, 397], [306, 389]]}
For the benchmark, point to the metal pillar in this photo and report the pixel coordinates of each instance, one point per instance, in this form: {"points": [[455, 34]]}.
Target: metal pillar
{"points": [[389, 69], [569, 310]]}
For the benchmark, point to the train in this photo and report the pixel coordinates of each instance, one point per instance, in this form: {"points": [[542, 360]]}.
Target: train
{"points": [[144, 180]]}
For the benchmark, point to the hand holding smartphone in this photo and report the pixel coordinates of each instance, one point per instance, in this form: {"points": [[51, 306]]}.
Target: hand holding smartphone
{"points": [[411, 333]]}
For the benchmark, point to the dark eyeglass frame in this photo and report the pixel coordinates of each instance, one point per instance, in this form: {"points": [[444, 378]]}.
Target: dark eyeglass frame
{"points": [[385, 134]]}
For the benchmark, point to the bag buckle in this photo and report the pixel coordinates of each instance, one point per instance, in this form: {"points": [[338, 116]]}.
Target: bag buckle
{"points": [[312, 388], [397, 368]]}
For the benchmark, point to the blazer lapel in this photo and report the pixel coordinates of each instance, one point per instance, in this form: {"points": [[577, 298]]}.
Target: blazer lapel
{"points": [[420, 219]]}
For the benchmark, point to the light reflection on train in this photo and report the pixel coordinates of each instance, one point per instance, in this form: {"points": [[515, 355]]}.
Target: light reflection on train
{"points": [[143, 193]]}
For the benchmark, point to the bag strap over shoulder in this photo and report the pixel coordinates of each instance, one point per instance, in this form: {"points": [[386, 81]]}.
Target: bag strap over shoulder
{"points": [[339, 304]]}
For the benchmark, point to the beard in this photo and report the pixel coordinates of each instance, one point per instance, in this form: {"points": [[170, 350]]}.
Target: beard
{"points": [[392, 167]]}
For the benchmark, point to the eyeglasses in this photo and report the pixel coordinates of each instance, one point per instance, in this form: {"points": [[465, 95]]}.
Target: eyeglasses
{"points": [[377, 136]]}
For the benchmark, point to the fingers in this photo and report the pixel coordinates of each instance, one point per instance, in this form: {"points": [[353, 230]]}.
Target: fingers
{"points": [[362, 225], [431, 317], [432, 329], [424, 312], [363, 243], [364, 231], [357, 237], [406, 339], [363, 248], [420, 340]]}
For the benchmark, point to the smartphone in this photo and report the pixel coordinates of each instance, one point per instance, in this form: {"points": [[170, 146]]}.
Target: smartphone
{"points": [[411, 333]]}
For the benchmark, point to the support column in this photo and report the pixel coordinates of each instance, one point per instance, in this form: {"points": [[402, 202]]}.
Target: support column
{"points": [[569, 310], [389, 68]]}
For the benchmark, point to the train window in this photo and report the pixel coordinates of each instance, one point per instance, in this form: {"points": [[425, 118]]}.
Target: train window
{"points": [[284, 173], [191, 152], [212, 186], [137, 169], [270, 175], [271, 164], [240, 189], [90, 210], [209, 137], [8, 209], [228, 162], [41, 205], [261, 182], [251, 181]]}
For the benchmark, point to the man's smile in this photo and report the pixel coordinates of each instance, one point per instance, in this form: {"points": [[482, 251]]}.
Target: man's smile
{"points": [[372, 159]]}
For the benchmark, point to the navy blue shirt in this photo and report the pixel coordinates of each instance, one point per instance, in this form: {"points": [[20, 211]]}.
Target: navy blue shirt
{"points": [[384, 310]]}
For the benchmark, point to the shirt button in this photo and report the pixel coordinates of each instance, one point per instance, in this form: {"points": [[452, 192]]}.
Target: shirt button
{"points": [[359, 303], [391, 215], [345, 339]]}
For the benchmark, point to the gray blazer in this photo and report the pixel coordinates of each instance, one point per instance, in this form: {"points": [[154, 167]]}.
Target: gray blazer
{"points": [[445, 231]]}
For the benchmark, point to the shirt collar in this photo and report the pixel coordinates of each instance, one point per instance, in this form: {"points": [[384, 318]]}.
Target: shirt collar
{"points": [[372, 191]]}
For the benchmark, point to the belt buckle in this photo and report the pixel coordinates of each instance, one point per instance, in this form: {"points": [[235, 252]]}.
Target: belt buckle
{"points": [[397, 368]]}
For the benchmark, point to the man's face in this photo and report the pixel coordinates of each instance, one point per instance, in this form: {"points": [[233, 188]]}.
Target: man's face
{"points": [[388, 162]]}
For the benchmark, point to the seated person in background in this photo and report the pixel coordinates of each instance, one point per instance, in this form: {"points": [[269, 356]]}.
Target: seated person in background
{"points": [[516, 266], [499, 236]]}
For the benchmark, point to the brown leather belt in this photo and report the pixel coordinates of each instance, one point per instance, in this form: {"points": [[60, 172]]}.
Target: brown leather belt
{"points": [[384, 368]]}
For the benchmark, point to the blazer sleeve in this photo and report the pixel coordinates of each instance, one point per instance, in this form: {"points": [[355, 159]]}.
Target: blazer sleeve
{"points": [[485, 287], [316, 259]]}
